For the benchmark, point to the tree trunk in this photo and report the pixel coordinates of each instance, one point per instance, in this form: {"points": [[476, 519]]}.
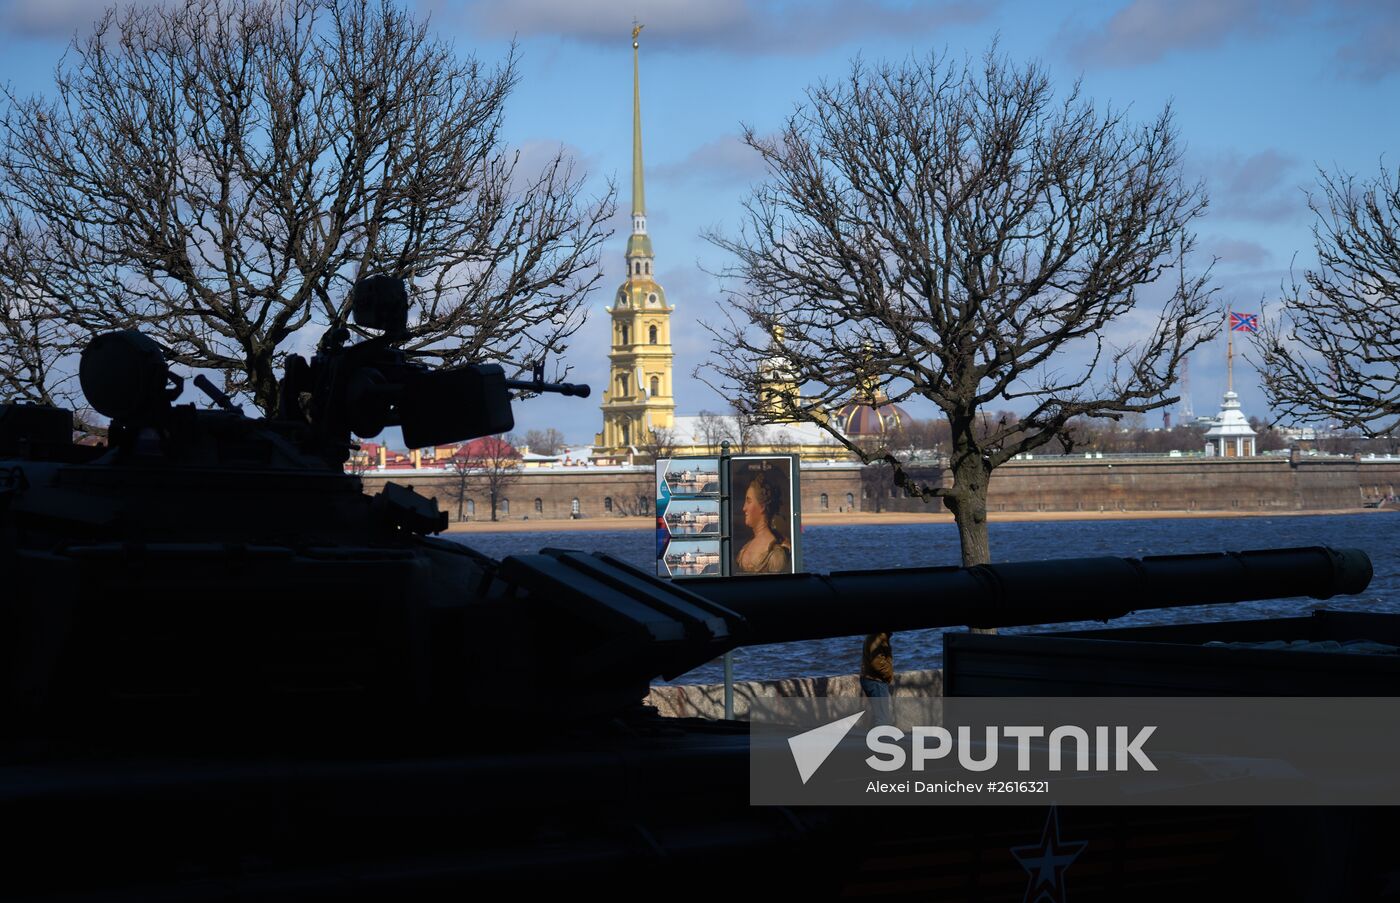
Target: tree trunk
{"points": [[970, 512], [493, 505], [968, 502], [263, 382]]}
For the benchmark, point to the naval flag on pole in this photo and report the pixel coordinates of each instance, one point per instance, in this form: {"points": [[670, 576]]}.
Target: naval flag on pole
{"points": [[1244, 322]]}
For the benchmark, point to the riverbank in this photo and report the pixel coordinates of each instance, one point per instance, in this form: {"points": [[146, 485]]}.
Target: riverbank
{"points": [[893, 518]]}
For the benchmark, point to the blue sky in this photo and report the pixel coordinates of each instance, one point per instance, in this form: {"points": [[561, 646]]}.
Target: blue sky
{"points": [[1263, 93]]}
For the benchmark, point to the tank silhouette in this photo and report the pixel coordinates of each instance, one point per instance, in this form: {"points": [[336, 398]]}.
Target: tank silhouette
{"points": [[302, 693]]}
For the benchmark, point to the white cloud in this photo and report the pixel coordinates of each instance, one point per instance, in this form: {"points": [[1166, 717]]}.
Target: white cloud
{"points": [[54, 18], [1260, 187], [738, 26], [1237, 252], [1373, 52], [725, 160], [1144, 31]]}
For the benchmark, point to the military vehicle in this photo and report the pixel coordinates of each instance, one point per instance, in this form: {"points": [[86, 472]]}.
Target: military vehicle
{"points": [[230, 674]]}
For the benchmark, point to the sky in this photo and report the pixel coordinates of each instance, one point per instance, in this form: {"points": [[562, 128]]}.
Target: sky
{"points": [[1264, 92]]}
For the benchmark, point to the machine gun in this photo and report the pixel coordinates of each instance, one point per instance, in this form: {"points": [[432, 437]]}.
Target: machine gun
{"points": [[344, 389]]}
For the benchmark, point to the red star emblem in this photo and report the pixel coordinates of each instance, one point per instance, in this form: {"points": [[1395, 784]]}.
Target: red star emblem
{"points": [[1046, 862]]}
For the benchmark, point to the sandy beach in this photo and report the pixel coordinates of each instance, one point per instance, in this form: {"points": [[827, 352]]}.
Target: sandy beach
{"points": [[829, 519]]}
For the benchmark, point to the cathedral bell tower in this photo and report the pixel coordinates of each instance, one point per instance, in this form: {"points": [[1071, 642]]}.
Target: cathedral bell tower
{"points": [[639, 397]]}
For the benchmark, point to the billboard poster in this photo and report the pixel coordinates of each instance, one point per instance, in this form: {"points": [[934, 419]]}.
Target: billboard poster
{"points": [[762, 529], [732, 514], [693, 518], [689, 540], [692, 558]]}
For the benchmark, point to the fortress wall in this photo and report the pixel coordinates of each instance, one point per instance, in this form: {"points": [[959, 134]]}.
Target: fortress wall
{"points": [[633, 492], [836, 483], [1227, 485], [1378, 479], [1326, 483], [1169, 484]]}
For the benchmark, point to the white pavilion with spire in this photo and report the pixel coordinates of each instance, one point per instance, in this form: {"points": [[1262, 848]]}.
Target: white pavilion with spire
{"points": [[1231, 436]]}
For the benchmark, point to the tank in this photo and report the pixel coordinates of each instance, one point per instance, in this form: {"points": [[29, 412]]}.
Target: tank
{"points": [[230, 674]]}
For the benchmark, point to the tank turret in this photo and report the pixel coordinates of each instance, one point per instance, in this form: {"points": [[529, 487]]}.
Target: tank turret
{"points": [[223, 573]]}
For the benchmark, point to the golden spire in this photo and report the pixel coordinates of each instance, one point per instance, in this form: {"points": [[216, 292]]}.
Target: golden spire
{"points": [[639, 207]]}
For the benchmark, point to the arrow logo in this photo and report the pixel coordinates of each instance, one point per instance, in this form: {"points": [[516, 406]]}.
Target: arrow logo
{"points": [[811, 749], [663, 496]]}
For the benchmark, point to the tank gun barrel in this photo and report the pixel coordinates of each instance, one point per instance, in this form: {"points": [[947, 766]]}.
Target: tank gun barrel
{"points": [[844, 603]]}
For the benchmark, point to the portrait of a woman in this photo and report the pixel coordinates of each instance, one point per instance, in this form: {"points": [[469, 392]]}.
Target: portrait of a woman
{"points": [[770, 550]]}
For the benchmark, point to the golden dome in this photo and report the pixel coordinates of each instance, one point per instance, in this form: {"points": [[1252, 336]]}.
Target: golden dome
{"points": [[641, 292], [863, 418]]}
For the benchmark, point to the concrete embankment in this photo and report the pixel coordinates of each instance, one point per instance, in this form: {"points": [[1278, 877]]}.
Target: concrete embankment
{"points": [[707, 700]]}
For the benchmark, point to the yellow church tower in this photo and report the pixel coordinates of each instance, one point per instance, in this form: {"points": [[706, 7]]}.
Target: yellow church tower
{"points": [[778, 394], [640, 397]]}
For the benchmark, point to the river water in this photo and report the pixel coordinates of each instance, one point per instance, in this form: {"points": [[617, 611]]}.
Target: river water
{"points": [[832, 548]]}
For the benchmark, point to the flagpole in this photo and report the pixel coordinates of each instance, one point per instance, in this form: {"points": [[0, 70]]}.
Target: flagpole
{"points": [[1236, 323], [1229, 355]]}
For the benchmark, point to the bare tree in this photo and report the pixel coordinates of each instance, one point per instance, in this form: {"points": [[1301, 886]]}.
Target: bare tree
{"points": [[748, 429], [957, 233], [636, 506], [1335, 354], [877, 478], [492, 463], [782, 440], [926, 435], [360, 462], [1266, 437], [33, 346], [219, 172], [713, 430], [658, 443], [35, 343], [464, 477], [545, 442]]}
